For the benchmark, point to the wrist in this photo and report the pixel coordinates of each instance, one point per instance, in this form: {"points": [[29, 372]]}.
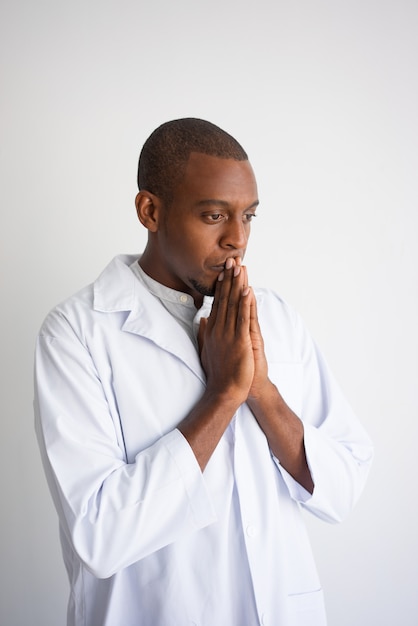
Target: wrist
{"points": [[264, 393], [229, 398]]}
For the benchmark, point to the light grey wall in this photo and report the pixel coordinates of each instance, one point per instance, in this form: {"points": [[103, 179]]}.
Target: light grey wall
{"points": [[324, 96]]}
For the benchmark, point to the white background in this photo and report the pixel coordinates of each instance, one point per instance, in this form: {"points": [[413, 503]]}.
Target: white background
{"points": [[324, 97]]}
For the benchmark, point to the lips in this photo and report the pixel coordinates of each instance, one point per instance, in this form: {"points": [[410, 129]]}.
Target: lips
{"points": [[221, 266]]}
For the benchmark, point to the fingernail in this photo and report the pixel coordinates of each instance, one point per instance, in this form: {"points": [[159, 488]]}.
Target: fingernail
{"points": [[245, 291], [221, 276], [229, 263], [237, 270]]}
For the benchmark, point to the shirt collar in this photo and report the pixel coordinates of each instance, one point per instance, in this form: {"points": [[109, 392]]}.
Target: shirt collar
{"points": [[161, 291]]}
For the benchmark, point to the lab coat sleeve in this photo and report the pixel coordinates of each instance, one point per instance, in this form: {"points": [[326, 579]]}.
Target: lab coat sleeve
{"points": [[113, 512], [338, 449]]}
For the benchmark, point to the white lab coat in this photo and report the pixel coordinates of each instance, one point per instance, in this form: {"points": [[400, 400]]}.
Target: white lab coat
{"points": [[115, 374]]}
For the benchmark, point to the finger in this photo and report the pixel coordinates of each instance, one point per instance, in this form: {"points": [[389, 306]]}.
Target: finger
{"points": [[220, 290], [245, 276], [243, 319], [234, 299], [222, 294], [201, 333], [254, 313], [254, 323]]}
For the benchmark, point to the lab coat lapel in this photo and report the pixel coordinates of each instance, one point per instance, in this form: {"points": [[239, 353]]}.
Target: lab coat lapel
{"points": [[118, 289], [153, 321]]}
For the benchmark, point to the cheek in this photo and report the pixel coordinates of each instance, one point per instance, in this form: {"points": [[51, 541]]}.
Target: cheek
{"points": [[197, 247], [190, 247]]}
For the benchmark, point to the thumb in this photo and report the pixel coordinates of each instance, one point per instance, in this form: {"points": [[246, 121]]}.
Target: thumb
{"points": [[201, 332]]}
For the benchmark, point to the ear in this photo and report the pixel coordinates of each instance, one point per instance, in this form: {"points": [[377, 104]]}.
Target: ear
{"points": [[148, 209]]}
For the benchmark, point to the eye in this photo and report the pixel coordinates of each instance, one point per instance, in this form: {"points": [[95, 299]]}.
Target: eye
{"points": [[213, 217], [249, 216]]}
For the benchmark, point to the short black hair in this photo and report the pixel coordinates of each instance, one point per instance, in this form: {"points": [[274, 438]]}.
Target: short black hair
{"points": [[165, 153]]}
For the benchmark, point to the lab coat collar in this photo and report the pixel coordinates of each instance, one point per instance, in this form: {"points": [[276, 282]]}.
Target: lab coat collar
{"points": [[114, 290], [118, 289]]}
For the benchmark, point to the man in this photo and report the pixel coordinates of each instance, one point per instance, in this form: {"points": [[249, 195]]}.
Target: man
{"points": [[184, 418]]}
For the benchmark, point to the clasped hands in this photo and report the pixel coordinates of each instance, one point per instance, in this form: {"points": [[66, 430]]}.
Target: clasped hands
{"points": [[232, 355], [230, 340]]}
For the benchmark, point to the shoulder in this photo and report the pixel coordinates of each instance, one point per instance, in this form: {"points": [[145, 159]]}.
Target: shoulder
{"points": [[66, 314], [112, 291]]}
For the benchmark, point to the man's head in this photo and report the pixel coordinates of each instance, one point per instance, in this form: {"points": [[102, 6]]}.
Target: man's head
{"points": [[165, 153], [197, 197]]}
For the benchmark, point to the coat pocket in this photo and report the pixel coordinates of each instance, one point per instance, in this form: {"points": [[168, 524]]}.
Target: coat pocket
{"points": [[307, 609]]}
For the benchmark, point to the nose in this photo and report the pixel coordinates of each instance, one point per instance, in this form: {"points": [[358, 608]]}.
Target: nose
{"points": [[235, 234]]}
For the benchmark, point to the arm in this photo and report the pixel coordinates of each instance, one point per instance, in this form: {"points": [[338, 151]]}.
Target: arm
{"points": [[115, 512], [284, 432], [283, 429], [330, 443]]}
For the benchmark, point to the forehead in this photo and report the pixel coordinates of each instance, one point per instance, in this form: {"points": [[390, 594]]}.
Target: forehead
{"points": [[209, 177]]}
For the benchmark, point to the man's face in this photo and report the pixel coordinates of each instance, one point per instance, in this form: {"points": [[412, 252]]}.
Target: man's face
{"points": [[208, 221]]}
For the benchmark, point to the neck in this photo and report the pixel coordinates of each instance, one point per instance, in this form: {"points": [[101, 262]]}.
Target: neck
{"points": [[149, 263]]}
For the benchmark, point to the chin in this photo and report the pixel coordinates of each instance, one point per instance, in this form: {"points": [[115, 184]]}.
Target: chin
{"points": [[204, 290]]}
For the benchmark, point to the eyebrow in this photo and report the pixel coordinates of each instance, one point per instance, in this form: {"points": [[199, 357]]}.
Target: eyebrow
{"points": [[223, 203]]}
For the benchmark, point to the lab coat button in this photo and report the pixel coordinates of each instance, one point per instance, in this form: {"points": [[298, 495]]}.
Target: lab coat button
{"points": [[183, 299], [251, 530]]}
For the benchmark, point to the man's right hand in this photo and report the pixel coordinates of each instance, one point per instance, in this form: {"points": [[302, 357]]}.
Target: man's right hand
{"points": [[227, 357], [224, 338]]}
